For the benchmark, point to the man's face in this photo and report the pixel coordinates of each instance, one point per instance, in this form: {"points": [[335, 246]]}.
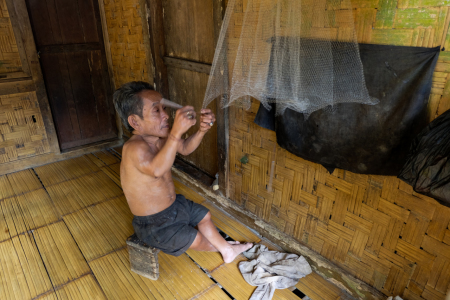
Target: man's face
{"points": [[155, 121]]}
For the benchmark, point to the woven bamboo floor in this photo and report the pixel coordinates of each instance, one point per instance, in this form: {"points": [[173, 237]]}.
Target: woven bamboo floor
{"points": [[63, 228]]}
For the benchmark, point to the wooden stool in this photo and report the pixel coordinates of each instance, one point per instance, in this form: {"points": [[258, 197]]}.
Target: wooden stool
{"points": [[143, 258]]}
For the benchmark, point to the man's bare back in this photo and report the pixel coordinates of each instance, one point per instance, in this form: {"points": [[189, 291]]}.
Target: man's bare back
{"points": [[145, 172]]}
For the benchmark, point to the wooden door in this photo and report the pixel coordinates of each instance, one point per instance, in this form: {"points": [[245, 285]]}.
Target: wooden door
{"points": [[69, 41], [189, 52]]}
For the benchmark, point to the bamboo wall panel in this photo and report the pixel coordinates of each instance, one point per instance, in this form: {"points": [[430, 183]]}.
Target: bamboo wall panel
{"points": [[375, 227], [126, 41], [22, 131], [9, 54]]}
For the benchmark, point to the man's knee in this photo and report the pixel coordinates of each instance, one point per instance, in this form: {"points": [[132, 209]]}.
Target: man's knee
{"points": [[197, 241], [201, 243], [206, 218]]}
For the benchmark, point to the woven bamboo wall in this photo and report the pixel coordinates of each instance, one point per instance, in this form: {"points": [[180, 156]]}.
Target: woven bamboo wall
{"points": [[126, 40], [375, 227], [9, 54], [22, 132]]}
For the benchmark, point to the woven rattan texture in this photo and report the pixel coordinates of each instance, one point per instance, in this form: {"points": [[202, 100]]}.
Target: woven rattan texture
{"points": [[22, 132], [375, 227], [9, 54], [126, 41]]}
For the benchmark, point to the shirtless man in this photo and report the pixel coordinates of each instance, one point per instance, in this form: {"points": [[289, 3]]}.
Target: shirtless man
{"points": [[163, 219]]}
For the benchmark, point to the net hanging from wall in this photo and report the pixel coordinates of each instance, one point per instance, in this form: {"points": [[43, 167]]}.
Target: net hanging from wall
{"points": [[284, 52]]}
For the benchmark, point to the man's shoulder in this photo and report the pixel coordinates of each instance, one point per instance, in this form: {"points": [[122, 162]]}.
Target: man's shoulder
{"points": [[135, 145]]}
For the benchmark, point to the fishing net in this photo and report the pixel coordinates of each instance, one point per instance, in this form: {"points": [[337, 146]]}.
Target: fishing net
{"points": [[285, 52]]}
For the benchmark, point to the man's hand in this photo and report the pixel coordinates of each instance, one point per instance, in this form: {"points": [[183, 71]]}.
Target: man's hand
{"points": [[207, 120], [184, 119]]}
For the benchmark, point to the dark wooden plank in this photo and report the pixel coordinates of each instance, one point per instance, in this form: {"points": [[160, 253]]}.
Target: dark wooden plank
{"points": [[70, 100], [88, 19], [79, 64], [187, 65], [105, 114], [222, 114], [54, 21], [40, 17], [70, 48], [69, 146], [69, 22], [104, 74], [157, 44], [60, 96]]}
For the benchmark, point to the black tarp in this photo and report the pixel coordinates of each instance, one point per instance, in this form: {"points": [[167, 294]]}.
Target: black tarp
{"points": [[367, 139], [427, 168]]}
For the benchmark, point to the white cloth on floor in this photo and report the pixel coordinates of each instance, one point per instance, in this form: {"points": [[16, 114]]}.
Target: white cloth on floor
{"points": [[270, 270]]}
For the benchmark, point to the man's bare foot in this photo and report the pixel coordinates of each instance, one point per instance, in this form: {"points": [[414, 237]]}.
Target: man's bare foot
{"points": [[233, 242], [230, 253]]}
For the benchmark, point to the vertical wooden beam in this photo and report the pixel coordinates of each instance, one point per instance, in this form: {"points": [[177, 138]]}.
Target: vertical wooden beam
{"points": [[18, 12], [145, 13], [107, 45], [157, 45], [222, 113]]}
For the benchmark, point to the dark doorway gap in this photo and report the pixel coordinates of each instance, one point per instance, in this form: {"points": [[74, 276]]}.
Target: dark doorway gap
{"points": [[193, 171]]}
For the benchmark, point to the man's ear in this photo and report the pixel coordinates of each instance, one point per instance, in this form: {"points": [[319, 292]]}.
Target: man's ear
{"points": [[134, 122]]}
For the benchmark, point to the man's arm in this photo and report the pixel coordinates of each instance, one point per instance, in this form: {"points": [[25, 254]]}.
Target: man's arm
{"points": [[157, 164], [188, 145], [160, 163]]}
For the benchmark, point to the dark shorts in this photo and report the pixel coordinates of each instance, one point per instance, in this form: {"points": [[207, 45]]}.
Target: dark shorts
{"points": [[171, 230]]}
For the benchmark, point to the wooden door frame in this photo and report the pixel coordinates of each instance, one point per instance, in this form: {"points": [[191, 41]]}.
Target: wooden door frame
{"points": [[34, 82], [223, 136], [20, 22], [107, 45], [24, 35], [153, 9]]}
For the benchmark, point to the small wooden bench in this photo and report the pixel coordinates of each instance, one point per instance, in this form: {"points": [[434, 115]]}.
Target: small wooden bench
{"points": [[143, 258]]}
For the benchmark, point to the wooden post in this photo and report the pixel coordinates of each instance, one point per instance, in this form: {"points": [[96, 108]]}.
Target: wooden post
{"points": [[157, 45], [222, 113], [145, 14], [107, 46]]}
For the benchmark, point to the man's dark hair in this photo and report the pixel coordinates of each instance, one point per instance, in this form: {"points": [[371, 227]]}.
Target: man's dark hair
{"points": [[128, 102]]}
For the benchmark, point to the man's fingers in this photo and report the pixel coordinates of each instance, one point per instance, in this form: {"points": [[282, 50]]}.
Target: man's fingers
{"points": [[190, 114]]}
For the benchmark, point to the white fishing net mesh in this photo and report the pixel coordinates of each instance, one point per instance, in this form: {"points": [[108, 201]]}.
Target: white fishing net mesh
{"points": [[286, 52]]}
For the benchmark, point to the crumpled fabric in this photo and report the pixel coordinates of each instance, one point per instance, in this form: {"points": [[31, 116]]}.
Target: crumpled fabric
{"points": [[270, 270]]}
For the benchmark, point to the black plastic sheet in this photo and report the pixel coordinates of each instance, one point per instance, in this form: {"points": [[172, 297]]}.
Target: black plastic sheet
{"points": [[367, 139], [427, 168]]}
